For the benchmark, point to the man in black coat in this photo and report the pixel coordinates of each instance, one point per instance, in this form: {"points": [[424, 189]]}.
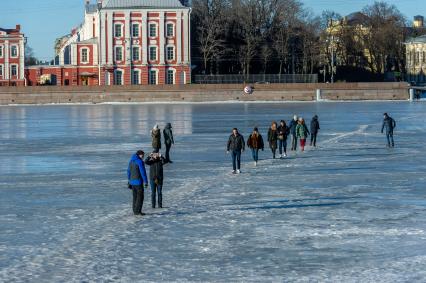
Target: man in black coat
{"points": [[168, 140], [314, 130], [155, 162], [235, 145], [389, 124]]}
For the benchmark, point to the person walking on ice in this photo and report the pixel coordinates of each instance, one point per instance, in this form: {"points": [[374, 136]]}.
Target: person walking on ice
{"points": [[390, 124], [273, 138], [292, 127], [314, 130], [236, 145], [168, 140], [255, 142], [155, 162], [283, 131], [156, 138], [302, 133], [137, 180]]}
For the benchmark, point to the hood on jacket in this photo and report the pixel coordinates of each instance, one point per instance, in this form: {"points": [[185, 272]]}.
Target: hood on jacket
{"points": [[315, 117], [135, 157], [168, 126]]}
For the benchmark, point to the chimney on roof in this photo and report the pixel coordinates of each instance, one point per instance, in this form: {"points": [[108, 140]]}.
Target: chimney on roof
{"points": [[18, 27]]}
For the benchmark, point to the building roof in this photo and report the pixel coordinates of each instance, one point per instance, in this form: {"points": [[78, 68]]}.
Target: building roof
{"points": [[419, 39], [108, 4]]}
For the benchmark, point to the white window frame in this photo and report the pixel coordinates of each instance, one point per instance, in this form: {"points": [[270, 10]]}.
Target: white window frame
{"points": [[167, 29], [150, 76], [133, 53], [17, 71], [156, 52], [167, 52], [115, 30], [115, 76], [17, 50], [1, 70], [174, 76], [116, 53], [138, 29], [81, 55], [2, 51], [138, 72], [149, 29]]}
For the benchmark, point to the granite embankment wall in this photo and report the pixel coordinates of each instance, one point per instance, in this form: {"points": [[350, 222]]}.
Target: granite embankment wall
{"points": [[202, 93]]}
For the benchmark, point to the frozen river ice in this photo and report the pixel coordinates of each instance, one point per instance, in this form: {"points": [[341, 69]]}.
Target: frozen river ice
{"points": [[350, 210]]}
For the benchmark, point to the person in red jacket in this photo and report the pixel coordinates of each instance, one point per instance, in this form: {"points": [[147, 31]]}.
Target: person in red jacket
{"points": [[255, 142]]}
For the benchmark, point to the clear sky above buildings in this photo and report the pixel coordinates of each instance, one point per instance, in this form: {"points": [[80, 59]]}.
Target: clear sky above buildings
{"points": [[43, 21]]}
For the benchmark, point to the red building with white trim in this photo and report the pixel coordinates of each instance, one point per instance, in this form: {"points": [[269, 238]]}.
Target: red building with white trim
{"points": [[124, 42], [12, 57]]}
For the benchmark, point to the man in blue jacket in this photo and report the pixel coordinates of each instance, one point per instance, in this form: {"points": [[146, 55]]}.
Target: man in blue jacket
{"points": [[136, 175], [389, 124]]}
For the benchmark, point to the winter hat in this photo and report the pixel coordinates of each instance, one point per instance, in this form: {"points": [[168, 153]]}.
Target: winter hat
{"points": [[300, 119], [155, 127], [140, 152], [295, 117], [385, 114], [256, 129], [168, 126]]}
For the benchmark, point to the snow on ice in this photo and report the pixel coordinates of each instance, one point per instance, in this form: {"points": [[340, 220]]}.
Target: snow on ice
{"points": [[350, 210]]}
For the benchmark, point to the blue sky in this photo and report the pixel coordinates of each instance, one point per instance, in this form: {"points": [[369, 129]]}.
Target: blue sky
{"points": [[43, 21]]}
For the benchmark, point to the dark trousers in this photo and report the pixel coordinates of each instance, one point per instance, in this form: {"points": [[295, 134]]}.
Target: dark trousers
{"points": [[236, 159], [293, 142], [168, 146], [389, 137], [282, 145], [156, 189], [137, 199], [255, 154], [314, 139]]}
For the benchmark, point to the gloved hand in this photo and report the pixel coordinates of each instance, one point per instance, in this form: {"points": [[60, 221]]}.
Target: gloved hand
{"points": [[129, 186]]}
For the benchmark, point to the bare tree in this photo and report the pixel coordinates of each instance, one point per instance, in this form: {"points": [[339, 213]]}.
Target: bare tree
{"points": [[210, 19]]}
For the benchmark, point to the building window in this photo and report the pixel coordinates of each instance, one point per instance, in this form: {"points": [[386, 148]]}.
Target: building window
{"points": [[170, 53], [84, 55], [135, 77], [135, 54], [13, 51], [1, 51], [169, 30], [135, 30], [13, 70], [170, 78], [424, 57], [118, 53], [118, 30], [152, 30], [152, 77], [1, 70], [118, 78], [417, 58], [152, 53]]}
